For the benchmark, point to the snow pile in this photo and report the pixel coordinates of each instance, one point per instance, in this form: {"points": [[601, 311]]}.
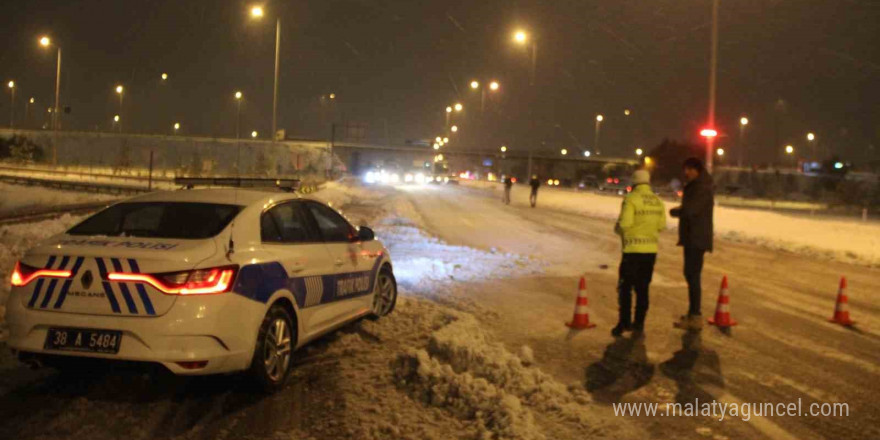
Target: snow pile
{"points": [[463, 371], [844, 240], [16, 198], [337, 194]]}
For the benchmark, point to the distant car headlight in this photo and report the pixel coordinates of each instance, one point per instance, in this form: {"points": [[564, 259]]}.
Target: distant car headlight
{"points": [[420, 178], [408, 178], [445, 180], [395, 178], [370, 177]]}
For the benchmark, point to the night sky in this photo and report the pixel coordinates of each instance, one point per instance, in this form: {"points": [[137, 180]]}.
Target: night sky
{"points": [[791, 66]]}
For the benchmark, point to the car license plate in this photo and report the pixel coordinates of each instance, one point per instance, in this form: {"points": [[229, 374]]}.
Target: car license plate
{"points": [[81, 339]]}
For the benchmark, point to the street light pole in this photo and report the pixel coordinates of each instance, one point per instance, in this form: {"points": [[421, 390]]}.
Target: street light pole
{"points": [[12, 104], [238, 97], [275, 88], [713, 73], [743, 121], [599, 119]]}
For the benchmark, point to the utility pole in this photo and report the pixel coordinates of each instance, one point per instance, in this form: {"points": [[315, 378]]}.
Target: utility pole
{"points": [[713, 74]]}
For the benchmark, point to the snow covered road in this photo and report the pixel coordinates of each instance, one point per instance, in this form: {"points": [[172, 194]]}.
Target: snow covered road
{"points": [[477, 347]]}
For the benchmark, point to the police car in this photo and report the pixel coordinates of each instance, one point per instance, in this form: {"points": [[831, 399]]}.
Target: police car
{"points": [[202, 281]]}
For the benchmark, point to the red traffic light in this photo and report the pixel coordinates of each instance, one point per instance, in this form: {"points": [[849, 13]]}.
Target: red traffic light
{"points": [[708, 132]]}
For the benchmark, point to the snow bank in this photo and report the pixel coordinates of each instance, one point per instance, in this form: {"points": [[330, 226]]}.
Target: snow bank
{"points": [[842, 240], [18, 198], [465, 372]]}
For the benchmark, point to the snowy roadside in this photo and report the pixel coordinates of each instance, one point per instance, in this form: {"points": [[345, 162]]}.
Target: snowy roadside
{"points": [[445, 365], [16, 199], [839, 240], [431, 369]]}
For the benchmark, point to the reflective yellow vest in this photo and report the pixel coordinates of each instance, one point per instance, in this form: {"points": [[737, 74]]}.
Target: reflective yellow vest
{"points": [[642, 217]]}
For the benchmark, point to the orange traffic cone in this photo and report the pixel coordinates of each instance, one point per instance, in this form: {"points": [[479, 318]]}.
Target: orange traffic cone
{"points": [[581, 318], [841, 309], [722, 310]]}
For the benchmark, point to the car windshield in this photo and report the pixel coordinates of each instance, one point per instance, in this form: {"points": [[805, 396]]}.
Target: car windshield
{"points": [[159, 220]]}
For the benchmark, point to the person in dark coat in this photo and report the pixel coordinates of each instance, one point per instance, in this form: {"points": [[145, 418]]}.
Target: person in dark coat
{"points": [[695, 230], [508, 184], [535, 184]]}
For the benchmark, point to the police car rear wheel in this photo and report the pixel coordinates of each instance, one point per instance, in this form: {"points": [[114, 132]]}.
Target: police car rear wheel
{"points": [[385, 296], [274, 350]]}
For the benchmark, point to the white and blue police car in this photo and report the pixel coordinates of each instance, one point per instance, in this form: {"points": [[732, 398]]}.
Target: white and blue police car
{"points": [[202, 281]]}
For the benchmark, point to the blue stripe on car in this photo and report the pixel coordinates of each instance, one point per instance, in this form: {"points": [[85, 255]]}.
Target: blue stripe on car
{"points": [[142, 291], [40, 281], [63, 294], [260, 281], [108, 289], [51, 289], [126, 294]]}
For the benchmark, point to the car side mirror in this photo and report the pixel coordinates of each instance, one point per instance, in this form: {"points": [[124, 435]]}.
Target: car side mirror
{"points": [[366, 234]]}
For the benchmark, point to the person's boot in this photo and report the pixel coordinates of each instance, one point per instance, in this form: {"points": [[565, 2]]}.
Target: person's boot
{"points": [[683, 322], [696, 322], [618, 330]]}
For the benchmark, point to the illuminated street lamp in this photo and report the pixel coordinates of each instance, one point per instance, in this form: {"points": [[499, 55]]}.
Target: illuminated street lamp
{"points": [[599, 119], [493, 86], [626, 112], [164, 76], [438, 139], [503, 148], [121, 92], [11, 85], [436, 146], [176, 127], [810, 138], [238, 98], [46, 42], [448, 109], [27, 111], [254, 134], [454, 129], [586, 154], [520, 37], [789, 149], [458, 107], [446, 140], [720, 152], [743, 121], [639, 152], [564, 151], [257, 13]]}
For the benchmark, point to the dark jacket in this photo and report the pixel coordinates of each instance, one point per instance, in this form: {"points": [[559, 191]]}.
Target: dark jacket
{"points": [[535, 184], [695, 222], [508, 182]]}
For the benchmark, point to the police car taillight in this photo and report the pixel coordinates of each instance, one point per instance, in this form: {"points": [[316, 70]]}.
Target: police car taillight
{"points": [[23, 274], [191, 282]]}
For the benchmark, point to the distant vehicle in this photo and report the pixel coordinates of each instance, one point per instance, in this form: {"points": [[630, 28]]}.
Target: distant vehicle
{"points": [[616, 185], [201, 281], [588, 182]]}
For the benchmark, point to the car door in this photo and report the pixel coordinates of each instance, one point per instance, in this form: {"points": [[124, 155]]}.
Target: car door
{"points": [[289, 234], [354, 275]]}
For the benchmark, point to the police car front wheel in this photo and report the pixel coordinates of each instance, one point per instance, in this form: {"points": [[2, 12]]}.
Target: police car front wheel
{"points": [[385, 296], [273, 353]]}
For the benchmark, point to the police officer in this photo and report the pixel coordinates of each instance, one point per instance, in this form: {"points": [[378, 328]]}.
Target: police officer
{"points": [[642, 217]]}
